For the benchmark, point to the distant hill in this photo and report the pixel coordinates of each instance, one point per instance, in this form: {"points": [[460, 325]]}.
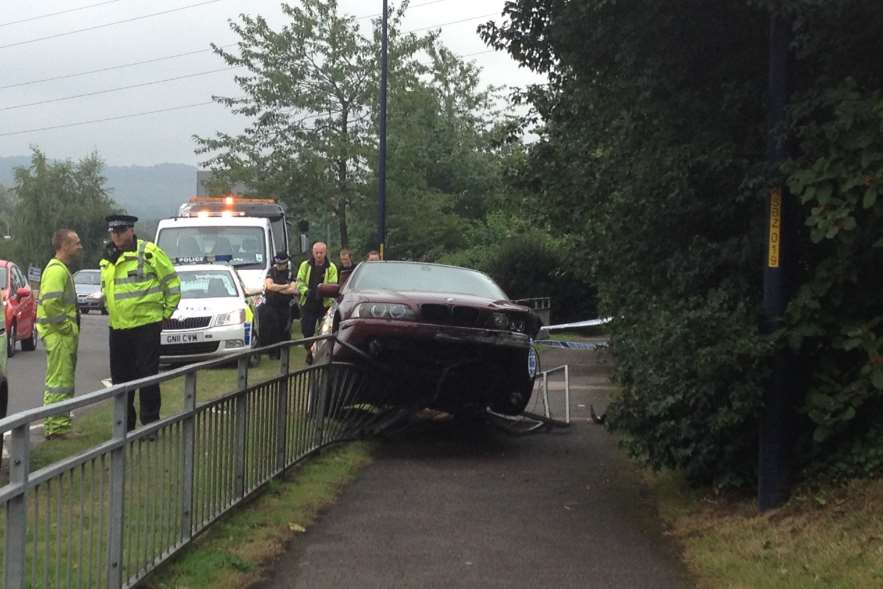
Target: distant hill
{"points": [[150, 192]]}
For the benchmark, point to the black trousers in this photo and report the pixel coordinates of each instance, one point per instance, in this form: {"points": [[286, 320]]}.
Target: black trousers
{"points": [[134, 354], [275, 324], [308, 320]]}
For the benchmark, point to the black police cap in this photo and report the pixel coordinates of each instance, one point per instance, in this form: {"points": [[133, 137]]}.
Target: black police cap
{"points": [[120, 221]]}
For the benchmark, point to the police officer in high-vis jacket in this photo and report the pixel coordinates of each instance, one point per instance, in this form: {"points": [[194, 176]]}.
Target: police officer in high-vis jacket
{"points": [[140, 289], [58, 324]]}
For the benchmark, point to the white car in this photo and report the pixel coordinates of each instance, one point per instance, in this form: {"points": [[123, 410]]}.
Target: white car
{"points": [[214, 317]]}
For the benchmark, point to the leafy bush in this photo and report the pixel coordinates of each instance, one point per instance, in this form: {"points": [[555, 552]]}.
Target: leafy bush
{"points": [[651, 154], [529, 266]]}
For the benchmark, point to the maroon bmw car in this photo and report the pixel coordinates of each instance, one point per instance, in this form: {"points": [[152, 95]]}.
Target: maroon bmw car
{"points": [[443, 337]]}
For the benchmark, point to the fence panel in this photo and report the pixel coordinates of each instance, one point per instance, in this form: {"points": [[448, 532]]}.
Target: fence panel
{"points": [[110, 515]]}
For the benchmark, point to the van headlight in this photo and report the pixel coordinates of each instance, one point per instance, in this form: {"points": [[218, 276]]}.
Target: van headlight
{"points": [[395, 311], [231, 318]]}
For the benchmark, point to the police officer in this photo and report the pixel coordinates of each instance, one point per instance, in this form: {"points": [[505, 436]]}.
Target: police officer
{"points": [[140, 289], [58, 324], [276, 310], [313, 272]]}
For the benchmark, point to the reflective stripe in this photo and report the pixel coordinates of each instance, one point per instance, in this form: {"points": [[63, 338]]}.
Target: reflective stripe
{"points": [[62, 390], [168, 277], [56, 294], [53, 319], [132, 279], [140, 270], [174, 290], [137, 293]]}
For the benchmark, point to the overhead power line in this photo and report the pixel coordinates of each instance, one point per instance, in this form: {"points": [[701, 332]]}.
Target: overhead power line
{"points": [[109, 24], [453, 22], [118, 88], [60, 12], [199, 51], [112, 67], [107, 119]]}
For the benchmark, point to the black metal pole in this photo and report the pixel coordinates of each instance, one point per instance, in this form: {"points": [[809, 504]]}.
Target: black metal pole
{"points": [[381, 167], [777, 424]]}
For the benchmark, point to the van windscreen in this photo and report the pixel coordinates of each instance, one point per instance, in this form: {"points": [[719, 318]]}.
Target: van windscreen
{"points": [[244, 247]]}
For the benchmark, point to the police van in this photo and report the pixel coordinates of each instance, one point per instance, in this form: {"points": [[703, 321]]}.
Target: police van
{"points": [[246, 243]]}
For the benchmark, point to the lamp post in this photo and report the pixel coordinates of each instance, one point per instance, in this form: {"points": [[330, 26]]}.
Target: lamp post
{"points": [[381, 166], [777, 422]]}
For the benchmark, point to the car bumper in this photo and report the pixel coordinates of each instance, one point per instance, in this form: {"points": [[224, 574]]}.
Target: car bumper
{"points": [[213, 342], [89, 304], [368, 334]]}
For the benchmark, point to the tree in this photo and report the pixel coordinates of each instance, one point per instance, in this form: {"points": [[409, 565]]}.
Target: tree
{"points": [[308, 90], [651, 158], [50, 195]]}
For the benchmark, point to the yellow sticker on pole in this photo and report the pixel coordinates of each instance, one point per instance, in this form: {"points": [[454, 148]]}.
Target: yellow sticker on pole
{"points": [[775, 227]]}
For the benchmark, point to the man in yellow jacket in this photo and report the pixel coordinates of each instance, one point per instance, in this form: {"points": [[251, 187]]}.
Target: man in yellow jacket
{"points": [[311, 273], [140, 289], [58, 324]]}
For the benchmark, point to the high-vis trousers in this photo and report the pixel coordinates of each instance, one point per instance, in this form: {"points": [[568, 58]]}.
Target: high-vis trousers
{"points": [[61, 367]]}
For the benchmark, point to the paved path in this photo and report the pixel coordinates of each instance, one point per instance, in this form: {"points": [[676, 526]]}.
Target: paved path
{"points": [[466, 505]]}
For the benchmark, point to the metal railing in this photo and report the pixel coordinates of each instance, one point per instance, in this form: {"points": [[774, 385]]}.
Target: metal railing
{"points": [[542, 306], [108, 516]]}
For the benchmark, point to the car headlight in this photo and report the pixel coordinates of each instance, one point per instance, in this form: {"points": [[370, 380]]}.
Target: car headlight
{"points": [[384, 311], [500, 321], [231, 318]]}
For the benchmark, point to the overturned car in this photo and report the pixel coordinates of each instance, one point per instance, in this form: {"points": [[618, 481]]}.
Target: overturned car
{"points": [[432, 335]]}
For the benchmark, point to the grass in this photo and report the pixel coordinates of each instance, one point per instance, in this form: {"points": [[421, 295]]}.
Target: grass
{"points": [[72, 510], [235, 551], [823, 538]]}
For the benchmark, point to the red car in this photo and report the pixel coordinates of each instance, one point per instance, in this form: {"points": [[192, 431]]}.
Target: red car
{"points": [[20, 308], [450, 337]]}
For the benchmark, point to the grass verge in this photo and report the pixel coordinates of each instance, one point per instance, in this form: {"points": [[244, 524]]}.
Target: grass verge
{"points": [[235, 551], [823, 538]]}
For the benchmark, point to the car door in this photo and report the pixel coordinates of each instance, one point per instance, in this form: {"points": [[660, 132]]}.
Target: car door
{"points": [[25, 310]]}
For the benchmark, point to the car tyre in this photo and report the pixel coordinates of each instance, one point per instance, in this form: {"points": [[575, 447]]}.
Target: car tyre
{"points": [[10, 342], [30, 344]]}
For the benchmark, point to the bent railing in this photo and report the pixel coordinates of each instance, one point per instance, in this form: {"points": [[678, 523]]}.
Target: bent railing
{"points": [[111, 514]]}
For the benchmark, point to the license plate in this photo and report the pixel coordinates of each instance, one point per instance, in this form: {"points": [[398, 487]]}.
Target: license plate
{"points": [[181, 338]]}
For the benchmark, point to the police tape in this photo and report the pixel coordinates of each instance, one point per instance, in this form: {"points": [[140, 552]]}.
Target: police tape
{"points": [[570, 345]]}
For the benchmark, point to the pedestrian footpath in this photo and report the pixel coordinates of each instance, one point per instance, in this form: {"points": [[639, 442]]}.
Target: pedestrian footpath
{"points": [[454, 505]]}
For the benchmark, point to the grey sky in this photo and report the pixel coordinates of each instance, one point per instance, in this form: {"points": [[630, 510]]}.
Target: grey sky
{"points": [[163, 137]]}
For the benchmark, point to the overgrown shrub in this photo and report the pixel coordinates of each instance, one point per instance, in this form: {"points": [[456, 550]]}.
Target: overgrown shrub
{"points": [[528, 266]]}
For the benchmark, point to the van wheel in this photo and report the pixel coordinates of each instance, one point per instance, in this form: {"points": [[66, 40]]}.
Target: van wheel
{"points": [[10, 342], [30, 344]]}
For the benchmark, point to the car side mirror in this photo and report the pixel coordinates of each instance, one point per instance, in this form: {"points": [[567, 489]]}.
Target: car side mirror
{"points": [[330, 290], [23, 292], [253, 292]]}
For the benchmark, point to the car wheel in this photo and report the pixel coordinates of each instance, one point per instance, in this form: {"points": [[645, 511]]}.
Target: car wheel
{"points": [[10, 342], [30, 344]]}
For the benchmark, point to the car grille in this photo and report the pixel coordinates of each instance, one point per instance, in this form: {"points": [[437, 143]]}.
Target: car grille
{"points": [[188, 349], [188, 323], [453, 315]]}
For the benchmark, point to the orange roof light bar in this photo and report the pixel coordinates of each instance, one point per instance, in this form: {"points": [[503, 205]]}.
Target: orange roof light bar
{"points": [[231, 198]]}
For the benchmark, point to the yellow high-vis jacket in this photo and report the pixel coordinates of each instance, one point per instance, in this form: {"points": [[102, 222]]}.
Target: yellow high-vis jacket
{"points": [[57, 305], [140, 287]]}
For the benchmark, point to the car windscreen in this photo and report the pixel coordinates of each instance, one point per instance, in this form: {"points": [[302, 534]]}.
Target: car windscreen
{"points": [[207, 284], [88, 277], [425, 278], [244, 247]]}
